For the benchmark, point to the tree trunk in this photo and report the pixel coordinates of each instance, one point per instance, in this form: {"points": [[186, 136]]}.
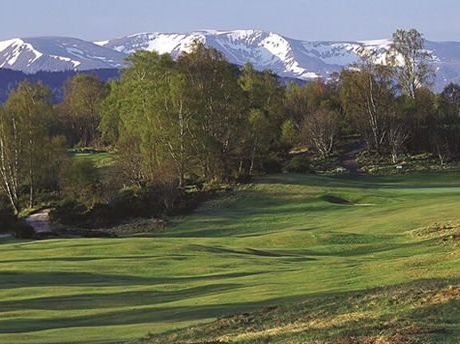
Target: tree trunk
{"points": [[9, 176], [253, 156]]}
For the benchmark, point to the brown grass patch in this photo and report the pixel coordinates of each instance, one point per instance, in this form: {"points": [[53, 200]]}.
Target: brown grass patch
{"points": [[299, 327], [446, 232]]}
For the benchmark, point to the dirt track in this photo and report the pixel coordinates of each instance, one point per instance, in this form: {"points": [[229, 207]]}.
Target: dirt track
{"points": [[348, 161]]}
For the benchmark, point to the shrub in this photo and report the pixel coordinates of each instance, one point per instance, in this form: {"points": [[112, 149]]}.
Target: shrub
{"points": [[68, 212], [46, 235], [242, 178], [81, 181], [299, 164], [190, 201], [212, 185], [156, 200], [97, 234], [7, 218], [271, 165], [22, 230]]}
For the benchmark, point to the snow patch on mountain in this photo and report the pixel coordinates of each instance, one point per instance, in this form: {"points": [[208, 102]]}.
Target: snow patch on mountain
{"points": [[66, 59], [162, 43]]}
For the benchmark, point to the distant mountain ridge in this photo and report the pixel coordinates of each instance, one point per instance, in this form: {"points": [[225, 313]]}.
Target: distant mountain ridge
{"points": [[286, 57], [55, 54]]}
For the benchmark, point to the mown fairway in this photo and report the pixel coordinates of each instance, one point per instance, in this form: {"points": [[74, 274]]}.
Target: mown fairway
{"points": [[285, 239]]}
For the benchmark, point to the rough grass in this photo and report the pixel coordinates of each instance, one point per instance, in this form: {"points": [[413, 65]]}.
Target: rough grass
{"points": [[290, 259], [417, 312]]}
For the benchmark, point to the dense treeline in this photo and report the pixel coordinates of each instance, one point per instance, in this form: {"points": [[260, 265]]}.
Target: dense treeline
{"points": [[199, 120], [196, 116]]}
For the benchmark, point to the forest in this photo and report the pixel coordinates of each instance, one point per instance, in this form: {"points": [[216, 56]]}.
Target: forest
{"points": [[178, 129]]}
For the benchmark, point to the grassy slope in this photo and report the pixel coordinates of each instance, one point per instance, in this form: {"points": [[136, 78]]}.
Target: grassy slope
{"points": [[329, 247]]}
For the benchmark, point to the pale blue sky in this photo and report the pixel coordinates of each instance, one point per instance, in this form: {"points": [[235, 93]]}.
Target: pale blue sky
{"points": [[303, 19]]}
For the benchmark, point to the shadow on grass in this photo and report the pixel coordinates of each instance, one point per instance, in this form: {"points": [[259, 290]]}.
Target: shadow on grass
{"points": [[388, 311], [146, 314], [252, 252], [268, 209], [12, 279], [84, 259], [335, 200], [348, 246], [115, 300]]}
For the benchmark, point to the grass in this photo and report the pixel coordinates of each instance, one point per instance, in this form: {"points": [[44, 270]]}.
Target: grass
{"points": [[100, 159], [402, 314], [290, 259]]}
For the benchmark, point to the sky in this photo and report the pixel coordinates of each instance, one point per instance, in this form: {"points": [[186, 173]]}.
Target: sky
{"points": [[310, 20]]}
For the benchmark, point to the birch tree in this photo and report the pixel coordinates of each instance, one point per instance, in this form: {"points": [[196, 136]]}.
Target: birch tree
{"points": [[411, 61], [25, 141], [368, 100], [216, 108], [321, 129], [154, 118], [10, 152]]}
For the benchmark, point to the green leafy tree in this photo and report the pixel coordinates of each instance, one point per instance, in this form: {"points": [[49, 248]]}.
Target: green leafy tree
{"points": [[419, 116], [80, 181], [142, 88], [296, 103], [25, 143], [264, 116], [80, 112], [216, 109], [445, 128], [110, 114], [289, 132], [151, 106]]}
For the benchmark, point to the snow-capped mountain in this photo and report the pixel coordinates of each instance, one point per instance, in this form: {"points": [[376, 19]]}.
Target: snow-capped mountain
{"points": [[265, 50], [287, 57], [31, 55]]}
